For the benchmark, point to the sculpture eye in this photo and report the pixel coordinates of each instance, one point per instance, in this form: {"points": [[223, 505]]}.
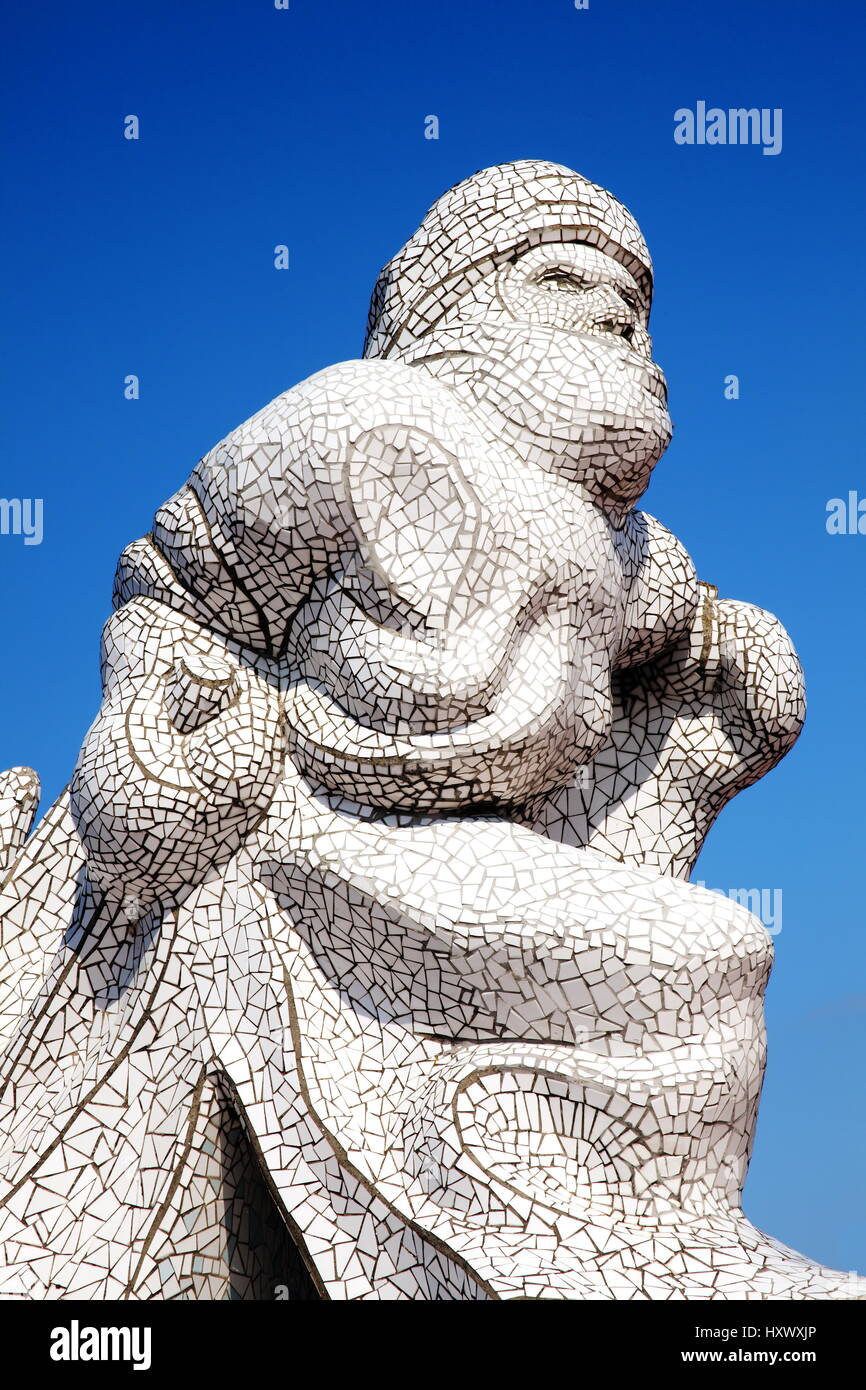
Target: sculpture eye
{"points": [[628, 298], [560, 279]]}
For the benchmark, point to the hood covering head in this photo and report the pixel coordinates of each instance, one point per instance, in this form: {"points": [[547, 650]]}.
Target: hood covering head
{"points": [[497, 214]]}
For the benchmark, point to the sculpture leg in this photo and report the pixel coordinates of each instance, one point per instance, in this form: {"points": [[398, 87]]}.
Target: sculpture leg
{"points": [[546, 1063]]}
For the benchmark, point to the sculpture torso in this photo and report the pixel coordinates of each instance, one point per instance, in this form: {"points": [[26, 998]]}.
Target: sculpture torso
{"points": [[438, 605]]}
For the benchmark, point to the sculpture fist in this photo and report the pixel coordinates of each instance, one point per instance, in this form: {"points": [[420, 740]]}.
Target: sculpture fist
{"points": [[182, 760]]}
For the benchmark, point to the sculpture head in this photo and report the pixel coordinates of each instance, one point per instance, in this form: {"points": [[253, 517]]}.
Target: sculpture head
{"points": [[530, 288]]}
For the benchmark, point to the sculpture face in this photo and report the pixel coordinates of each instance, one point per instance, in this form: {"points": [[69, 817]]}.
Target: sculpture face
{"points": [[577, 287], [553, 338], [411, 730], [567, 370]]}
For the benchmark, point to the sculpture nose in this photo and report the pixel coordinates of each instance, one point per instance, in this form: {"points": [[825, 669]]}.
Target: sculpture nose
{"points": [[613, 316]]}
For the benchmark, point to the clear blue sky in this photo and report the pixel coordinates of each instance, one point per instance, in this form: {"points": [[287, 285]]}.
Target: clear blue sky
{"points": [[305, 127]]}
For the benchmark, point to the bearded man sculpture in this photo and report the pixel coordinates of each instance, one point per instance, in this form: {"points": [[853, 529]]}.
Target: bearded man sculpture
{"points": [[359, 960]]}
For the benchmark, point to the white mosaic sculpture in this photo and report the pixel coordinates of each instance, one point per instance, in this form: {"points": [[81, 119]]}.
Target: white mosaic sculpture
{"points": [[359, 961]]}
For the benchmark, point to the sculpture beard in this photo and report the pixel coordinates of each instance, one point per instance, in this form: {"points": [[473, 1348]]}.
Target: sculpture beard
{"points": [[584, 405]]}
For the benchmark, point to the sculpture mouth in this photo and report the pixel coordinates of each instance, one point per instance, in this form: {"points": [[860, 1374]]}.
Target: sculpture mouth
{"points": [[630, 359], [652, 378]]}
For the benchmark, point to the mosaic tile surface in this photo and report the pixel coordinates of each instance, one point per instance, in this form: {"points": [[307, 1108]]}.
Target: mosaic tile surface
{"points": [[359, 960]]}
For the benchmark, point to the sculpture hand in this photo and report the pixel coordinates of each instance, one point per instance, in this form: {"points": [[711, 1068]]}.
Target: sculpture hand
{"points": [[182, 760]]}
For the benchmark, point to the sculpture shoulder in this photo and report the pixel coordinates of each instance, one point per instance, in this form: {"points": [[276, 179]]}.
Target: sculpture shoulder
{"points": [[340, 402], [289, 491]]}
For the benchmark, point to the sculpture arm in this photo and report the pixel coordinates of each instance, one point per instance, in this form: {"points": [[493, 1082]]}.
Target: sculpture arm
{"points": [[689, 731], [662, 598]]}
